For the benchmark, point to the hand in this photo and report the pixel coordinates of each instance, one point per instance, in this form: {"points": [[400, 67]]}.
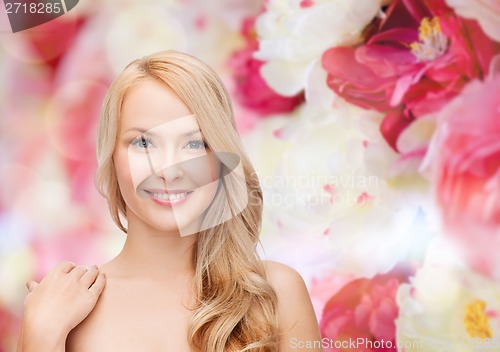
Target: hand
{"points": [[64, 297]]}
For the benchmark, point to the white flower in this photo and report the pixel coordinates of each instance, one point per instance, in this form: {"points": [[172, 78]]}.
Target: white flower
{"points": [[486, 12], [293, 36], [323, 208], [131, 34], [447, 307]]}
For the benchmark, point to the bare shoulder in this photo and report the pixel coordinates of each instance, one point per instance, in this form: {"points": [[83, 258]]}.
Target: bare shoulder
{"points": [[298, 322], [282, 277]]}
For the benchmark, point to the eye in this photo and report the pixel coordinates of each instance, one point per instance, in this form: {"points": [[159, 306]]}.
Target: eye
{"points": [[196, 144], [142, 142]]}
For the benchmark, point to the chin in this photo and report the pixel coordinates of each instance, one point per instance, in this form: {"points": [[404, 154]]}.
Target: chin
{"points": [[180, 228]]}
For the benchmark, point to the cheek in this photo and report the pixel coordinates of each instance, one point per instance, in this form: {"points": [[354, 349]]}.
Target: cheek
{"points": [[139, 168], [201, 170], [198, 205], [123, 173], [209, 190]]}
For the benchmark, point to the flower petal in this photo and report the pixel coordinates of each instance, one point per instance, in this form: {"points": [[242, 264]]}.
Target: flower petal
{"points": [[285, 77]]}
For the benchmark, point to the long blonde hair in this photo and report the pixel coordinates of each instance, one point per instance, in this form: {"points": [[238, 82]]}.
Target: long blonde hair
{"points": [[237, 307]]}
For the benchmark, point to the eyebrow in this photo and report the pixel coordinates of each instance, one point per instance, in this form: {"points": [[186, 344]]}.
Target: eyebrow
{"points": [[147, 132]]}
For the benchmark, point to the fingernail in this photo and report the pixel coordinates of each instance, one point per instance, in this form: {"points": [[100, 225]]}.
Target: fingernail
{"points": [[95, 266]]}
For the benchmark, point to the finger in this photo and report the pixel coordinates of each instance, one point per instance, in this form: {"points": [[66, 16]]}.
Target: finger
{"points": [[65, 266], [79, 271], [96, 289], [90, 276], [31, 285]]}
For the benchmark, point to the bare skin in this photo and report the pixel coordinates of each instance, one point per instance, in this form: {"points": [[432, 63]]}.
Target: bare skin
{"points": [[144, 313], [144, 305], [154, 319], [140, 300]]}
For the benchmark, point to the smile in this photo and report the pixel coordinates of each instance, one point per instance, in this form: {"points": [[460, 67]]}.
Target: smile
{"points": [[166, 196], [166, 199]]}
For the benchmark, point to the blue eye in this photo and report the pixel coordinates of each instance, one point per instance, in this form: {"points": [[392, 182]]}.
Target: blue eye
{"points": [[142, 142], [196, 144]]}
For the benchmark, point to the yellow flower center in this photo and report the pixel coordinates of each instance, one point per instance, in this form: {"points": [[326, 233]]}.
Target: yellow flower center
{"points": [[432, 42], [476, 320]]}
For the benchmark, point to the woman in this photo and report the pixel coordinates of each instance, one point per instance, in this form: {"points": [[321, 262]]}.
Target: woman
{"points": [[171, 163]]}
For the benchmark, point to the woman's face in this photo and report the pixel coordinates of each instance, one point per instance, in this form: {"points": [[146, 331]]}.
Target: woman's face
{"points": [[166, 174]]}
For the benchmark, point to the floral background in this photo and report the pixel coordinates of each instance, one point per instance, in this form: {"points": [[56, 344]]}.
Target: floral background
{"points": [[374, 127]]}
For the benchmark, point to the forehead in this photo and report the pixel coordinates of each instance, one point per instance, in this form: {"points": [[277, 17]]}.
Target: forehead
{"points": [[152, 104]]}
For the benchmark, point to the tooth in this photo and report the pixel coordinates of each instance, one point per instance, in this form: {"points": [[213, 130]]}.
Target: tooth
{"points": [[176, 196], [171, 197]]}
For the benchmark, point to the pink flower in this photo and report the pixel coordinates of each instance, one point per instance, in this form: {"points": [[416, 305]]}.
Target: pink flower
{"points": [[251, 91], [72, 132], [322, 288], [465, 155], [50, 41], [486, 12], [418, 58], [363, 310]]}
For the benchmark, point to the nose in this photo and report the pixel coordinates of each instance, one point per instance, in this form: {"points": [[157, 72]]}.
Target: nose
{"points": [[168, 166], [171, 172]]}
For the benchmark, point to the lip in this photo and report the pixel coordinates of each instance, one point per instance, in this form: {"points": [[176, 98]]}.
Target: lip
{"points": [[166, 202]]}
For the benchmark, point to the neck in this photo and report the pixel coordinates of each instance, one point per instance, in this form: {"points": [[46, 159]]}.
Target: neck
{"points": [[150, 253]]}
